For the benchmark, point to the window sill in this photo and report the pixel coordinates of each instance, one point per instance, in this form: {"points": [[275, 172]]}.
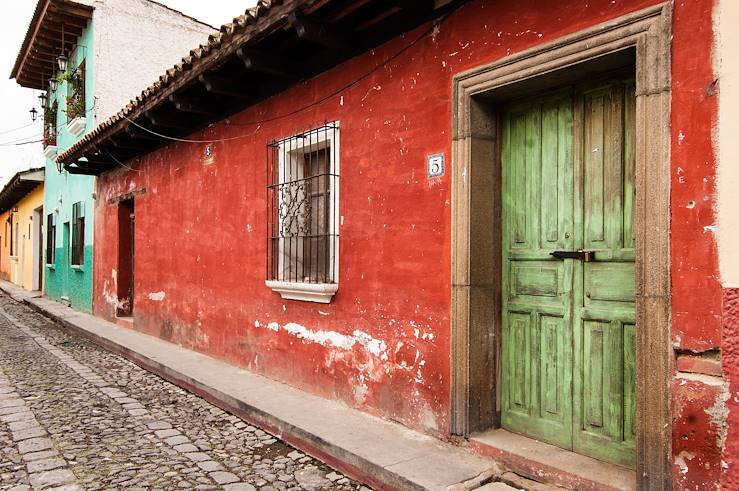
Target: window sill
{"points": [[50, 266], [77, 267], [14, 258], [50, 152], [307, 292], [77, 126]]}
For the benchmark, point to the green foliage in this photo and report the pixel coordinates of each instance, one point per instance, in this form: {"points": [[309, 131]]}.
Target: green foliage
{"points": [[75, 90], [75, 106], [50, 114]]}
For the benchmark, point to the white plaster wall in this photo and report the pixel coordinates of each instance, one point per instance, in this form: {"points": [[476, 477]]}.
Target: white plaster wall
{"points": [[727, 67], [135, 41]]}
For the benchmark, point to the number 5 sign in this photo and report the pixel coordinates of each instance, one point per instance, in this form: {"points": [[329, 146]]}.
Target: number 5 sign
{"points": [[435, 165]]}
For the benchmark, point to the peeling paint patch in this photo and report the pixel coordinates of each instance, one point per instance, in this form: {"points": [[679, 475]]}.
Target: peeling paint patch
{"points": [[374, 346], [719, 413], [680, 460], [157, 296]]}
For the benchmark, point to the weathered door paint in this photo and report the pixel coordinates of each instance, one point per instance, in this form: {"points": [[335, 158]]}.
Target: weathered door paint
{"points": [[568, 325], [604, 334], [537, 307]]}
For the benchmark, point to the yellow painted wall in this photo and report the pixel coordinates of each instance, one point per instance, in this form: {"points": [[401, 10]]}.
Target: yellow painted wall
{"points": [[4, 246], [22, 264]]}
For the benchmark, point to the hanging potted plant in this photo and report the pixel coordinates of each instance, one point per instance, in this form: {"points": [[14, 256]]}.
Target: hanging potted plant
{"points": [[75, 100]]}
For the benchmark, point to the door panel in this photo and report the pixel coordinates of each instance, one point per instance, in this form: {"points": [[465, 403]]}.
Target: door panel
{"points": [[568, 330], [604, 307], [537, 314]]}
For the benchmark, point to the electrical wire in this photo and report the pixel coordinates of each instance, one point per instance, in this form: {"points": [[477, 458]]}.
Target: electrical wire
{"points": [[18, 144], [15, 142], [121, 163], [16, 129], [434, 26]]}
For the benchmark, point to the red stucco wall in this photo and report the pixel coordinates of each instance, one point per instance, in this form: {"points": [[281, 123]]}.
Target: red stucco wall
{"points": [[699, 409], [200, 229]]}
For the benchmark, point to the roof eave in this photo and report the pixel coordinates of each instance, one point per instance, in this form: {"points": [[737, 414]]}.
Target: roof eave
{"points": [[72, 9]]}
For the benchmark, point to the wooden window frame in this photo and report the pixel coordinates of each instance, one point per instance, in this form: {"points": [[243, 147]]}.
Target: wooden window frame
{"points": [[77, 239], [475, 299], [12, 235], [50, 256]]}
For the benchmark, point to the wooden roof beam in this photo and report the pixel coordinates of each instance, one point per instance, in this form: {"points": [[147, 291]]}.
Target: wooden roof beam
{"points": [[413, 5], [123, 144], [137, 133], [168, 121], [224, 86], [95, 160], [317, 32], [193, 105], [72, 9], [54, 29], [67, 20], [86, 171], [259, 62]]}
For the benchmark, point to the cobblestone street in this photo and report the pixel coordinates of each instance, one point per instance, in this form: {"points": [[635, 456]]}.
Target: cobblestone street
{"points": [[73, 416]]}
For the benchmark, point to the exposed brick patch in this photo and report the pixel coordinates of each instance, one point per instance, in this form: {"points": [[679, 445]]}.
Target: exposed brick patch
{"points": [[706, 363]]}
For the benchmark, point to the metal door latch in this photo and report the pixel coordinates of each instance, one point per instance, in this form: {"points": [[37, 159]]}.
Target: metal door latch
{"points": [[584, 256]]}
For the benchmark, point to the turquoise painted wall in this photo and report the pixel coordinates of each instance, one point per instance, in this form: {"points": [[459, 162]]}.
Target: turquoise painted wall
{"points": [[65, 282]]}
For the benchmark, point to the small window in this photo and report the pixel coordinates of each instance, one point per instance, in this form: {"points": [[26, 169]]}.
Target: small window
{"points": [[12, 235], [303, 214], [50, 239], [14, 252], [78, 234]]}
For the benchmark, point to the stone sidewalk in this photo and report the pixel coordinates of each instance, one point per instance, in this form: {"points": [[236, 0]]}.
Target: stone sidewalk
{"points": [[380, 453]]}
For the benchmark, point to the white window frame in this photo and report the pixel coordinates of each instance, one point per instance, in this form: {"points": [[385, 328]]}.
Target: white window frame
{"points": [[295, 148]]}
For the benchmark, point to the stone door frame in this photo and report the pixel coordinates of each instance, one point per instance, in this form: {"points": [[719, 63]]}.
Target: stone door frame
{"points": [[476, 289]]}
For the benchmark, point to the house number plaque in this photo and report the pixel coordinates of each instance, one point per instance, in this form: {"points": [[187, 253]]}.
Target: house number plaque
{"points": [[435, 165]]}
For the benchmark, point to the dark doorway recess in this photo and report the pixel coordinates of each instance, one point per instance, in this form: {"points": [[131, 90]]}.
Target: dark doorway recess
{"points": [[126, 230]]}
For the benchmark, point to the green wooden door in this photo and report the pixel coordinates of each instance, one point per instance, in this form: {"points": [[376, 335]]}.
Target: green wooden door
{"points": [[568, 325], [537, 304]]}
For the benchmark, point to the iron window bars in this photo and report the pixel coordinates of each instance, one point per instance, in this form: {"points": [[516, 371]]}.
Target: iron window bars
{"points": [[50, 239], [303, 207], [78, 234]]}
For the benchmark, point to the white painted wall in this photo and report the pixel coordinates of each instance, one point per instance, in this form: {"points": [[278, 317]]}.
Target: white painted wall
{"points": [[727, 68], [136, 41]]}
